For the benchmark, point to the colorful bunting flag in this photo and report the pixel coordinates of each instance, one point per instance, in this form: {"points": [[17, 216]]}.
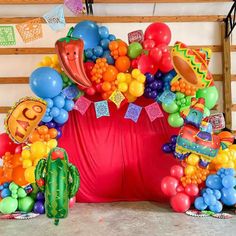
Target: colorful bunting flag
{"points": [[75, 6], [101, 109], [71, 92], [154, 111], [217, 121], [117, 97], [7, 36], [55, 18], [82, 105], [30, 30], [167, 97], [133, 112]]}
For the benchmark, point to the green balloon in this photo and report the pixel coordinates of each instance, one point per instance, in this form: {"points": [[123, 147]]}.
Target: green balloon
{"points": [[175, 120], [179, 95], [26, 204], [171, 108], [13, 187], [8, 205], [21, 193], [210, 95], [206, 112], [134, 50]]}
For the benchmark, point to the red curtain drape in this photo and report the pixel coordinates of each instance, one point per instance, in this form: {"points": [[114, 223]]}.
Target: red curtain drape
{"points": [[118, 160]]}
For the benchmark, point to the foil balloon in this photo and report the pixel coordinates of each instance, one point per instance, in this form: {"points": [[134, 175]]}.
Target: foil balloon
{"points": [[24, 117], [70, 53]]}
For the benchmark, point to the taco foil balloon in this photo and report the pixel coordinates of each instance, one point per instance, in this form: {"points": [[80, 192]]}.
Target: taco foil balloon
{"points": [[70, 52]]}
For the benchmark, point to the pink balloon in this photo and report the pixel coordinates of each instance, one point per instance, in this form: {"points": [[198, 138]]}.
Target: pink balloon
{"points": [[169, 185], [192, 190], [158, 32], [177, 171], [147, 65], [165, 65], [90, 91], [148, 44], [72, 202], [163, 48], [155, 54], [180, 202], [180, 189]]}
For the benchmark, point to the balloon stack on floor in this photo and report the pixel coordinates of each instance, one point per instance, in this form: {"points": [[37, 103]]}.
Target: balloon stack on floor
{"points": [[91, 62]]}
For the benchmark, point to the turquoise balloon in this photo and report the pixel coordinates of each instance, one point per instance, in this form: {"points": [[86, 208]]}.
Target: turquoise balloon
{"points": [[210, 95], [134, 50], [8, 205], [26, 204], [171, 108], [175, 120]]}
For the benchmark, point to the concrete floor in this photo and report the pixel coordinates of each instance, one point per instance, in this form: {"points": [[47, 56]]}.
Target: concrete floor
{"points": [[120, 219]]}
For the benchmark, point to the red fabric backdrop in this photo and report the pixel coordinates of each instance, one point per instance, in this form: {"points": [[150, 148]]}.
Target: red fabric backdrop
{"points": [[118, 160]]}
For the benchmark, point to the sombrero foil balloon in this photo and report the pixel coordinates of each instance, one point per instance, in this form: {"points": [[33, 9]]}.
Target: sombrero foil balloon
{"points": [[191, 67], [24, 117]]}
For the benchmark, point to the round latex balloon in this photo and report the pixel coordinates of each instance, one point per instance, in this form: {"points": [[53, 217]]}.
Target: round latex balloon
{"points": [[147, 65], [26, 204], [18, 176], [89, 32], [180, 202], [8, 205], [6, 144], [175, 120], [134, 50]]}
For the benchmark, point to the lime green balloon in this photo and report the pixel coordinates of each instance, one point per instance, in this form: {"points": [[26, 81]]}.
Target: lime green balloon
{"points": [[21, 193], [26, 204], [179, 95], [8, 205], [175, 120], [210, 95], [170, 108], [13, 187], [134, 50]]}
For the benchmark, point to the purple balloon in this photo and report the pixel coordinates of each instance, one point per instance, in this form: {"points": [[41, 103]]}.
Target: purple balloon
{"points": [[149, 78], [59, 133], [40, 196], [51, 124], [153, 94], [39, 207], [153, 85], [160, 84], [41, 123], [173, 139], [158, 75], [166, 148]]}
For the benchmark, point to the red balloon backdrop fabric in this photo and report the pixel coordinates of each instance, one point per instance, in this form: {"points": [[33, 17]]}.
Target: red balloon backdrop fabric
{"points": [[118, 160]]}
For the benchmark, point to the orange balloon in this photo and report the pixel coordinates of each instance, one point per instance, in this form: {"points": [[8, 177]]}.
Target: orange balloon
{"points": [[106, 95], [113, 45], [110, 74], [226, 137], [47, 137], [34, 137], [122, 50], [18, 176], [53, 133], [43, 129], [122, 43], [123, 63], [16, 160], [106, 86]]}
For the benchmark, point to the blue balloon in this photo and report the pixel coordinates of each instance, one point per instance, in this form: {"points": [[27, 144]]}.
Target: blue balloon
{"points": [[88, 31], [98, 51], [88, 53], [1, 187], [228, 196], [55, 111], [230, 171], [63, 117], [228, 181], [69, 105], [108, 56], [47, 118], [209, 199], [103, 32], [5, 193], [94, 58], [59, 101], [112, 37], [105, 43], [46, 82], [49, 102], [217, 208], [217, 194], [6, 185], [200, 204], [214, 182]]}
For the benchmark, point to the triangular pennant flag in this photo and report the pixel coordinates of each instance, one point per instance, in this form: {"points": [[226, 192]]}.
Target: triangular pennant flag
{"points": [[154, 111], [75, 6], [30, 30], [7, 36], [55, 18], [167, 97], [117, 97], [101, 109], [133, 112], [82, 105]]}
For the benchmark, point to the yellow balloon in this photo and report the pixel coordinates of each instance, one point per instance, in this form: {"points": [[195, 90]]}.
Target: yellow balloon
{"points": [[135, 73], [25, 154], [141, 78], [52, 143], [55, 59], [128, 78], [189, 170], [26, 163], [38, 150], [47, 151], [223, 158], [123, 87], [193, 159], [29, 174], [36, 161], [47, 61], [136, 88], [130, 97], [121, 77], [229, 164]]}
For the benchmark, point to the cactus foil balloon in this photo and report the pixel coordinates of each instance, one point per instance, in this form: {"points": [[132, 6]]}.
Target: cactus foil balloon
{"points": [[59, 180]]}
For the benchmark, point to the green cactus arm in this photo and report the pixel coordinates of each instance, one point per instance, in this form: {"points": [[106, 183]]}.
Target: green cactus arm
{"points": [[39, 173], [74, 180]]}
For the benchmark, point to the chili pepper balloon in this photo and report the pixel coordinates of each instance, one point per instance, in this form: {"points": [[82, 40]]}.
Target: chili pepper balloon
{"points": [[70, 53], [59, 180]]}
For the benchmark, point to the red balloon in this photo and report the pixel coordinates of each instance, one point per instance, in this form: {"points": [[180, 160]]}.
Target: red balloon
{"points": [[148, 44], [192, 190], [99, 88], [88, 66], [158, 32], [147, 65], [72, 202], [134, 63], [91, 91], [163, 48], [177, 171], [6, 144], [155, 54], [169, 185], [19, 148], [180, 202], [180, 189], [165, 64]]}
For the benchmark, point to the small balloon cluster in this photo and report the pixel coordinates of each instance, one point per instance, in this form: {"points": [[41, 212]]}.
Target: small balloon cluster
{"points": [[170, 147], [219, 190]]}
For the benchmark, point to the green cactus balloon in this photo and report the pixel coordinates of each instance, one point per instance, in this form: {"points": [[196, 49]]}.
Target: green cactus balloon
{"points": [[59, 180]]}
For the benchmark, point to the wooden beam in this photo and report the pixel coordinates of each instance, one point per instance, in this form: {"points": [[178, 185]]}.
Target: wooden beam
{"points": [[4, 109], [122, 19], [14, 80], [233, 108], [226, 63]]}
